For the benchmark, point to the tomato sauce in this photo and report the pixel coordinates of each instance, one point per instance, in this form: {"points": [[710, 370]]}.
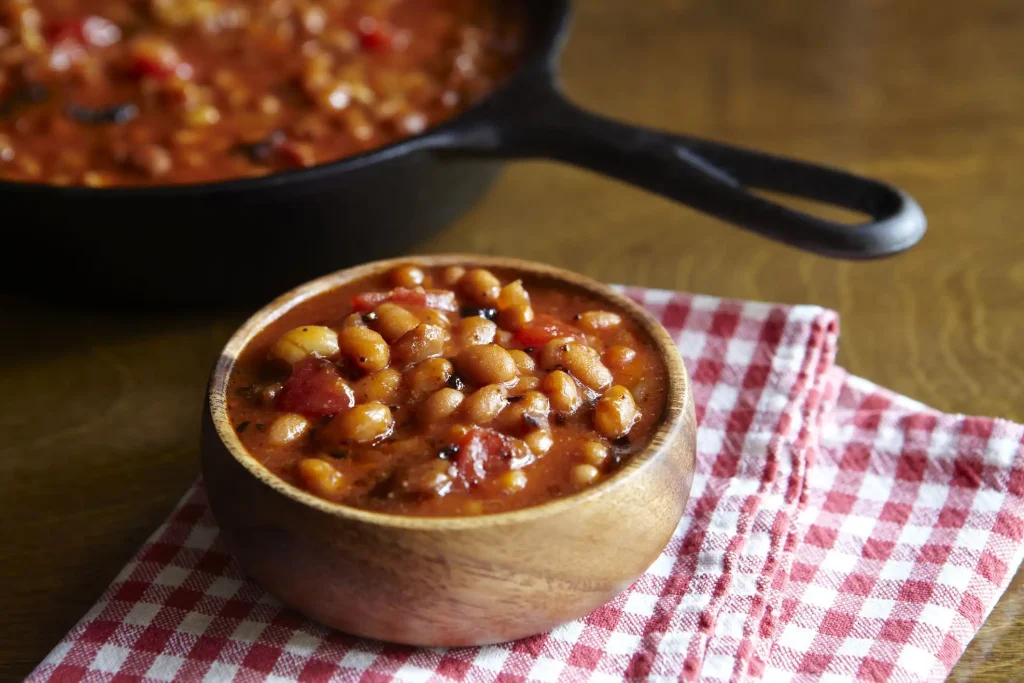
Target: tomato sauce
{"points": [[442, 392], [155, 92]]}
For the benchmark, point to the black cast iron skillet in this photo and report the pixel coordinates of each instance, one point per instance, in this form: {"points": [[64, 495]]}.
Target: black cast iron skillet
{"points": [[245, 240]]}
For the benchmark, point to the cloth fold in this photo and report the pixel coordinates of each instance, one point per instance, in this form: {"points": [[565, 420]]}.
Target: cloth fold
{"points": [[835, 531]]}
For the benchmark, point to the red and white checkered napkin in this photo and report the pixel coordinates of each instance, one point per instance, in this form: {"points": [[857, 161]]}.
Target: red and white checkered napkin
{"points": [[836, 531]]}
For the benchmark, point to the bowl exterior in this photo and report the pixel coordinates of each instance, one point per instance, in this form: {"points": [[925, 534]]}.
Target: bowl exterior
{"points": [[461, 585]]}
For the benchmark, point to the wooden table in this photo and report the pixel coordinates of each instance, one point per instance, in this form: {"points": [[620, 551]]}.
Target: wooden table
{"points": [[100, 414]]}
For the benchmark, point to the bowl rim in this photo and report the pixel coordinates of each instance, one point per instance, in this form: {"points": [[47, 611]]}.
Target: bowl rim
{"points": [[664, 436]]}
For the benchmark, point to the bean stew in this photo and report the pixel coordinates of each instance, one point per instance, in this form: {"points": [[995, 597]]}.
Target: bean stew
{"points": [[447, 392], [156, 92]]}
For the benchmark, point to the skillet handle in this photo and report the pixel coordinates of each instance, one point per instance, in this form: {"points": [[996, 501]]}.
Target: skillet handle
{"points": [[710, 176]]}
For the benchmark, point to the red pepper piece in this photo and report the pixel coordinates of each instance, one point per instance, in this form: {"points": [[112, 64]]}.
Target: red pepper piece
{"points": [[62, 30], [440, 299], [375, 35], [296, 154], [315, 388], [543, 329], [86, 31], [151, 56]]}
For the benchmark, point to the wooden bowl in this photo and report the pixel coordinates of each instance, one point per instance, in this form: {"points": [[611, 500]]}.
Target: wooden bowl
{"points": [[450, 581]]}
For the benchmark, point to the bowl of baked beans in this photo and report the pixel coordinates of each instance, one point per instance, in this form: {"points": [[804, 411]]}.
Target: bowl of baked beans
{"points": [[137, 137], [453, 450]]}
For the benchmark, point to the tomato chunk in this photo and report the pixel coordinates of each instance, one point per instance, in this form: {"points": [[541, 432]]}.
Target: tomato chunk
{"points": [[441, 299], [483, 452], [153, 56], [543, 329], [374, 34], [95, 31], [315, 388]]}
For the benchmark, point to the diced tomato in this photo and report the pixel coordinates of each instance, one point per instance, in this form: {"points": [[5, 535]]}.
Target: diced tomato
{"points": [[484, 451], [315, 388], [374, 34], [441, 299], [66, 29], [94, 31], [543, 329], [367, 301], [151, 56], [295, 154]]}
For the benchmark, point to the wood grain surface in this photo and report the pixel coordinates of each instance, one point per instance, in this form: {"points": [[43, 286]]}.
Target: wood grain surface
{"points": [[99, 415]]}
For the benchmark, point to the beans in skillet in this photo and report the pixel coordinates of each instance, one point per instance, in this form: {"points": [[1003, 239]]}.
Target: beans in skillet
{"points": [[137, 92], [443, 392]]}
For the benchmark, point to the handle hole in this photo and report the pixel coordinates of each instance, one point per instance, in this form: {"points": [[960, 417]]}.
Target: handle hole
{"points": [[823, 210]]}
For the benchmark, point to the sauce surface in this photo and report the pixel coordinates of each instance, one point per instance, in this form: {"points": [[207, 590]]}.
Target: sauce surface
{"points": [[136, 92], [446, 392]]}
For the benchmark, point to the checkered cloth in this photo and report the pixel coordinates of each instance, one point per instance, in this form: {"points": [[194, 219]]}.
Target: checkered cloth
{"points": [[836, 531]]}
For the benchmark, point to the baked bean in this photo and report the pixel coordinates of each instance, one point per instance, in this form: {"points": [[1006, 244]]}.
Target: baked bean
{"points": [[618, 357], [531, 410], [6, 147], [562, 392], [513, 480], [363, 423], [594, 452], [615, 413], [552, 356], [420, 343], [451, 275], [287, 428], [432, 478], [539, 441], [203, 115], [527, 382], [584, 475], [484, 404], [476, 330], [353, 320], [364, 347], [435, 317], [407, 276], [428, 376], [481, 287], [320, 477], [465, 411], [439, 406], [29, 166], [311, 340], [584, 363], [486, 364], [516, 317], [458, 431], [513, 294], [383, 386], [598, 321], [95, 179], [524, 362], [269, 105], [503, 337], [393, 321], [152, 160]]}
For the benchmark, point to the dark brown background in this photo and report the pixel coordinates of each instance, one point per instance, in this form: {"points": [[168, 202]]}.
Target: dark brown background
{"points": [[99, 415]]}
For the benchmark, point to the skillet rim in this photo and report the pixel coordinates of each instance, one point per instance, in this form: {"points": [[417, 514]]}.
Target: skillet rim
{"points": [[539, 64]]}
